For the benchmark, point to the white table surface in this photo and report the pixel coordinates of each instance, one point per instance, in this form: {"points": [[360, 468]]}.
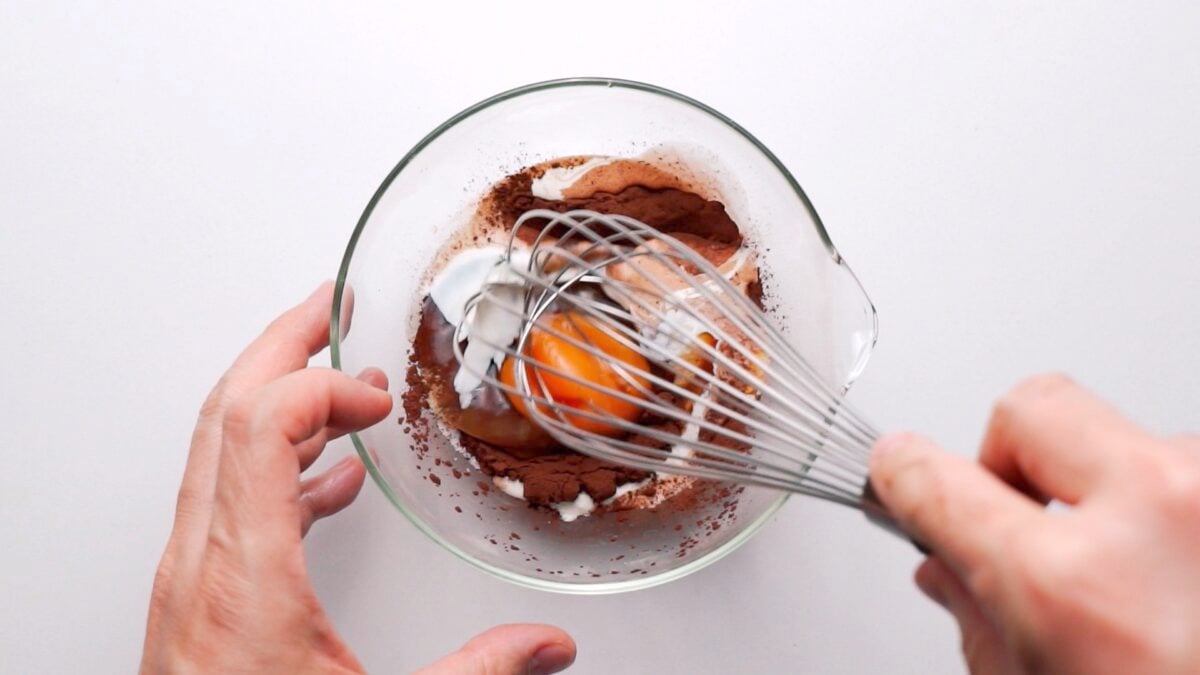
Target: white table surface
{"points": [[1016, 186]]}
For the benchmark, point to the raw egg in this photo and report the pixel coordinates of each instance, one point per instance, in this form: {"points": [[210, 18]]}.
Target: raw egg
{"points": [[598, 376]]}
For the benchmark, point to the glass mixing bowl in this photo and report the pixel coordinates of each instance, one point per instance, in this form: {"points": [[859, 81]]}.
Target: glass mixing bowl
{"points": [[809, 288]]}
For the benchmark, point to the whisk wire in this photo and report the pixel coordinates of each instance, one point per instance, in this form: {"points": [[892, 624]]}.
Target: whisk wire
{"points": [[583, 269], [628, 229], [648, 401], [748, 407]]}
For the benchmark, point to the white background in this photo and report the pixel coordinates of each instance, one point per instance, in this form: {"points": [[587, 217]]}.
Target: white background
{"points": [[1015, 184]]}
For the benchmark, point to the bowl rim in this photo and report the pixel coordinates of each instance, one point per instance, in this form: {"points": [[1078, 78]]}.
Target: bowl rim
{"points": [[335, 331]]}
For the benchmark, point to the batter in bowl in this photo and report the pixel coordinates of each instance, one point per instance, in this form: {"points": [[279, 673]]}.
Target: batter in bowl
{"points": [[478, 419]]}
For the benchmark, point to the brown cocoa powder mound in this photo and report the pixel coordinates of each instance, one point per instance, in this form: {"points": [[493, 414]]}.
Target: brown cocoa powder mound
{"points": [[553, 478], [667, 210]]}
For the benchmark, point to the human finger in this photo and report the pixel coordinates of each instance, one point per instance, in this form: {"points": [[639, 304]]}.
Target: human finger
{"points": [[346, 315], [983, 645], [308, 450], [258, 487], [950, 504], [514, 649], [285, 346], [1051, 437], [1189, 442], [331, 491]]}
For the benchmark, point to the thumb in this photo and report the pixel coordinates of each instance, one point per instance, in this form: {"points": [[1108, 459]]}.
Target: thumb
{"points": [[513, 649], [949, 503]]}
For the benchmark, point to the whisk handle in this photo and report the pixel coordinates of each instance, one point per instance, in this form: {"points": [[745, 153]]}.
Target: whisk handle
{"points": [[879, 514]]}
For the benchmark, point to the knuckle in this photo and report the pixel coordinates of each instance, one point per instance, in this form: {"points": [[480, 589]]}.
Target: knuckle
{"points": [[1029, 393], [1044, 384], [224, 597], [281, 325], [984, 583], [926, 480], [992, 580], [229, 392], [1150, 474], [238, 418], [1185, 484], [1039, 565], [1178, 488], [189, 503], [164, 588], [1003, 411], [482, 663], [213, 408], [1062, 580], [288, 332], [1053, 576], [307, 516], [483, 656]]}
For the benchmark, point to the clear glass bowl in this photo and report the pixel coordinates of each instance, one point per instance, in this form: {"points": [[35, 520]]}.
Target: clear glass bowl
{"points": [[421, 202]]}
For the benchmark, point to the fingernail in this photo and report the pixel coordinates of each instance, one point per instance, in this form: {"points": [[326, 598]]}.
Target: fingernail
{"points": [[550, 659]]}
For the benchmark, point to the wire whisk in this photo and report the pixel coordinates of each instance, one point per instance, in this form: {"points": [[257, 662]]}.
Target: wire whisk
{"points": [[630, 345]]}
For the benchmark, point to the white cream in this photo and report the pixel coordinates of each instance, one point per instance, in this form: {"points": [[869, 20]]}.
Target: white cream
{"points": [[461, 279], [583, 505], [510, 487], [678, 329], [570, 511], [493, 323], [550, 185], [691, 432], [625, 488], [674, 334]]}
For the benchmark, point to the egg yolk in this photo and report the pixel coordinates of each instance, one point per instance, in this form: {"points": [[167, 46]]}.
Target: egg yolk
{"points": [[597, 374]]}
